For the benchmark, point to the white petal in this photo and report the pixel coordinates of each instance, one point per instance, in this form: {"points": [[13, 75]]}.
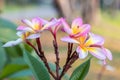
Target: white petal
{"points": [[12, 43], [68, 39], [33, 36], [29, 23], [108, 54], [20, 33], [82, 53]]}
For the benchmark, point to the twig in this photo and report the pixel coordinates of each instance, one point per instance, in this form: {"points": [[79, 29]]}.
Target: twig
{"points": [[57, 57], [32, 46], [68, 63], [41, 55], [70, 45]]}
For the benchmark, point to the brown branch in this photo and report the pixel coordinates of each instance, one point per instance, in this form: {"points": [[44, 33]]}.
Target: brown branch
{"points": [[43, 58], [57, 56], [68, 63], [41, 55], [32, 46], [70, 46]]}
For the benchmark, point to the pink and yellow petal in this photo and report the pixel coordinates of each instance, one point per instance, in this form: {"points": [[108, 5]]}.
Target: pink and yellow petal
{"points": [[81, 31], [85, 29], [82, 39], [37, 24], [23, 35], [76, 22], [94, 40], [66, 27], [82, 52], [75, 30], [69, 40], [97, 52]]}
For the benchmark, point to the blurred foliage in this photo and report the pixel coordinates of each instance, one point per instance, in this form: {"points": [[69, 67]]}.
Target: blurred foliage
{"points": [[12, 64], [7, 30]]}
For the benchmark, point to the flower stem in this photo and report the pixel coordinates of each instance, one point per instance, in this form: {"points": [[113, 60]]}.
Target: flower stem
{"points": [[70, 60], [57, 57], [43, 58], [32, 46], [70, 45], [41, 55]]}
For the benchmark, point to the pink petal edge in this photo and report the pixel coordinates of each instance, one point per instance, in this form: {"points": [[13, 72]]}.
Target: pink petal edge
{"points": [[69, 39]]}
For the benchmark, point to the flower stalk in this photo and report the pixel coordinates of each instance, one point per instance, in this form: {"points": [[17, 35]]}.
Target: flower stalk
{"points": [[57, 56], [43, 58]]}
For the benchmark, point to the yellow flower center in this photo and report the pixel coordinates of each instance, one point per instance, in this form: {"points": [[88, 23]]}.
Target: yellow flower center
{"points": [[75, 30], [25, 35], [37, 27]]}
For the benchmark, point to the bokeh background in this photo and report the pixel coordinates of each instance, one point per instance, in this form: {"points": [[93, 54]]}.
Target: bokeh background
{"points": [[103, 15]]}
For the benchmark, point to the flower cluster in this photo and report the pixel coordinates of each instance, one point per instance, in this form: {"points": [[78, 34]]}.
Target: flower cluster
{"points": [[78, 33]]}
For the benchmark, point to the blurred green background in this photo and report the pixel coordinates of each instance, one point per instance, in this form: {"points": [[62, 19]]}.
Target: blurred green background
{"points": [[103, 15]]}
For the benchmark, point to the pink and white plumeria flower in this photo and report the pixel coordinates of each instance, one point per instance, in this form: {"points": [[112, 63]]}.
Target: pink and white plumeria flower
{"points": [[53, 25], [34, 27], [31, 31], [90, 43], [76, 29]]}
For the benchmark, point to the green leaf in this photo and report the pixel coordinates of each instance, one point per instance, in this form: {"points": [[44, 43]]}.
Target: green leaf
{"points": [[12, 69], [81, 71], [3, 57], [14, 51], [21, 78], [19, 60], [27, 47], [7, 30], [37, 67], [22, 73]]}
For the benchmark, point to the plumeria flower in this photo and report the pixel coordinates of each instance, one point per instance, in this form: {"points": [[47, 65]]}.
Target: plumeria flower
{"points": [[31, 31], [90, 43], [34, 27], [76, 29], [53, 25], [22, 35]]}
